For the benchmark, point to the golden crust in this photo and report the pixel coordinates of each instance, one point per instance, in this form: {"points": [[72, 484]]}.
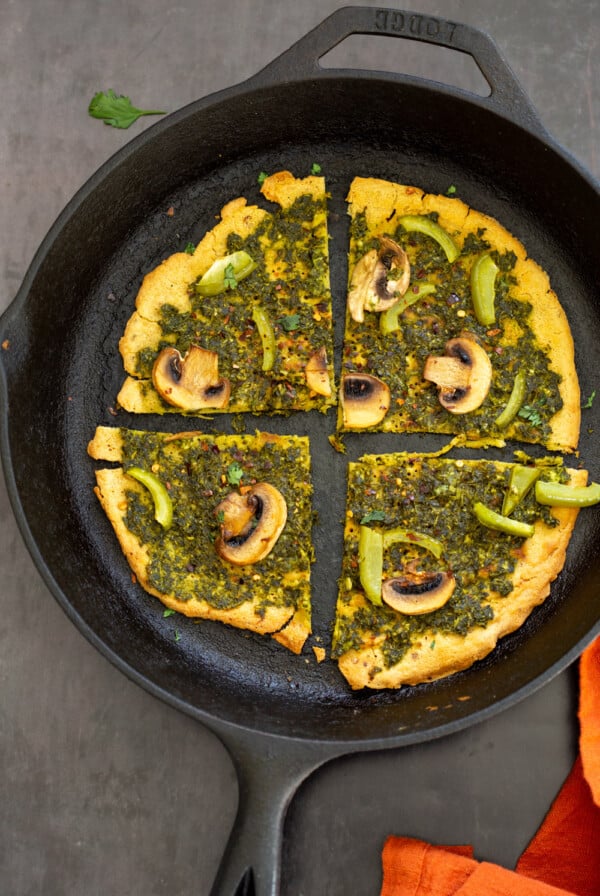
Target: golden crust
{"points": [[381, 201], [542, 559], [290, 625]]}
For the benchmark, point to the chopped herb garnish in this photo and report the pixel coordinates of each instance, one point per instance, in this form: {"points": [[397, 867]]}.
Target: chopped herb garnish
{"points": [[167, 613], [531, 415], [190, 249], [374, 516], [262, 177], [229, 277], [234, 473], [316, 168], [589, 401], [290, 322], [450, 192], [177, 635], [116, 110]]}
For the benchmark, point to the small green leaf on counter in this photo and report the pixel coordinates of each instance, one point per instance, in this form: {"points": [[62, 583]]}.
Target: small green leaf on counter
{"points": [[177, 635], [190, 249], [589, 402], [262, 177], [450, 192], [116, 110], [167, 613], [316, 168]]}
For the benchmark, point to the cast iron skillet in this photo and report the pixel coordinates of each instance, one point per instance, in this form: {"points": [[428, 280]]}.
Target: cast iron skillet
{"points": [[281, 716]]}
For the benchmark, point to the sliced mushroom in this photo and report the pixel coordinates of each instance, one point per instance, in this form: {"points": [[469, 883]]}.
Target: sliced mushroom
{"points": [[415, 593], [379, 279], [317, 374], [463, 375], [191, 381], [365, 400], [250, 524]]}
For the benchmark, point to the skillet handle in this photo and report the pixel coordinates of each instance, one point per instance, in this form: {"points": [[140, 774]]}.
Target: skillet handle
{"points": [[269, 771], [302, 59]]}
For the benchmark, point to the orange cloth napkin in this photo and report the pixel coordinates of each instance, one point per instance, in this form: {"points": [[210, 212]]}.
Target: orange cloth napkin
{"points": [[563, 859]]}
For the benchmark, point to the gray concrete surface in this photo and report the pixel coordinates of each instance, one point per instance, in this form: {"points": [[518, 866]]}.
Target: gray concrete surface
{"points": [[104, 790]]}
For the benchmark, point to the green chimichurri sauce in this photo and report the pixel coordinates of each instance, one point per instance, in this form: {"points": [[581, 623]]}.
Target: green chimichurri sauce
{"points": [[183, 560], [428, 324], [297, 304], [434, 497]]}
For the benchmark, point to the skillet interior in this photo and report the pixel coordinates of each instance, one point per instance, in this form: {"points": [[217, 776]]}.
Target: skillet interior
{"points": [[63, 372]]}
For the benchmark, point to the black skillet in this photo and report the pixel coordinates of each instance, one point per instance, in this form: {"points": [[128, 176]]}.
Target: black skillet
{"points": [[283, 716]]}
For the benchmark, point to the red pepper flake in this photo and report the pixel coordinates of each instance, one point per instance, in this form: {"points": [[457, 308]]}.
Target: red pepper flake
{"points": [[170, 211], [6, 344]]}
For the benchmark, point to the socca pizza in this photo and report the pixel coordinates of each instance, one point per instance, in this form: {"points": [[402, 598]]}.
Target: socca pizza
{"points": [[243, 323], [443, 557], [450, 326], [217, 527]]}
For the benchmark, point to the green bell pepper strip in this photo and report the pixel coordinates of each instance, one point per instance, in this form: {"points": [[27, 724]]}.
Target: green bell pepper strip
{"points": [[225, 273], [515, 401], [425, 225], [483, 288], [558, 494], [163, 506], [408, 536], [500, 523], [388, 321], [267, 336], [370, 563], [520, 483]]}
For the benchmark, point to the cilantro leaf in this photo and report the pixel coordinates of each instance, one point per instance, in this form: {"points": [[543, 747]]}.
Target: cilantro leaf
{"points": [[374, 516], [229, 277], [451, 190], [531, 415], [190, 249], [234, 473], [167, 613], [262, 177], [290, 322], [316, 168], [589, 402], [116, 110]]}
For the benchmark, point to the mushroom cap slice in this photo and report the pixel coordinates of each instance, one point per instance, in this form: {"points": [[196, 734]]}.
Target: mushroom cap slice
{"points": [[415, 593], [463, 375], [190, 381], [317, 373], [378, 279], [250, 524], [365, 400]]}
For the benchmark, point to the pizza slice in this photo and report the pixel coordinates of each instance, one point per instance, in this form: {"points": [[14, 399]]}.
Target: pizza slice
{"points": [[443, 557], [217, 527], [243, 323], [450, 326]]}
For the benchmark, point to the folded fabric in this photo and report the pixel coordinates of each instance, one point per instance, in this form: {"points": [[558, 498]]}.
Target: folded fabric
{"points": [[563, 859]]}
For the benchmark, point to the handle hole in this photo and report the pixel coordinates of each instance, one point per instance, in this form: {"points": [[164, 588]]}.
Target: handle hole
{"points": [[422, 60]]}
